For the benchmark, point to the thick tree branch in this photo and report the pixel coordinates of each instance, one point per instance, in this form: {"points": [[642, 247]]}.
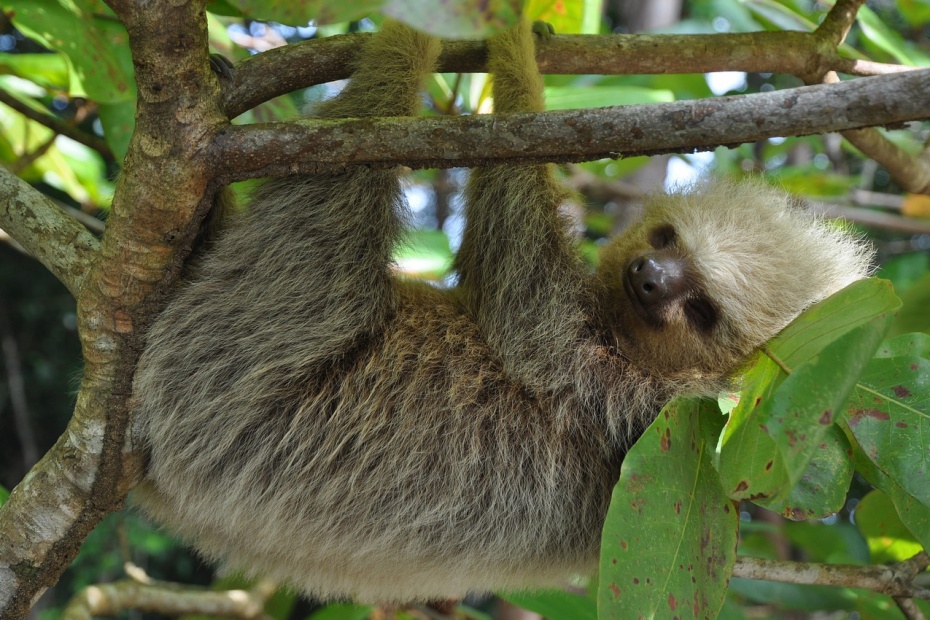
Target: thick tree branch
{"points": [[567, 136], [896, 580], [86, 475], [59, 242], [286, 69]]}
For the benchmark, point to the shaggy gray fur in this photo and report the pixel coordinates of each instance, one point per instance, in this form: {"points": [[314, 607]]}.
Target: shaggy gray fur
{"points": [[315, 420]]}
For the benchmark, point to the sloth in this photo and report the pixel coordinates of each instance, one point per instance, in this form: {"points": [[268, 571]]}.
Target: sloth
{"points": [[314, 418]]}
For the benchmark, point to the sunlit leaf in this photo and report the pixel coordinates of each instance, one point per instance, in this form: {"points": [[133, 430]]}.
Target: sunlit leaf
{"points": [[97, 49], [46, 70], [424, 254], [567, 16], [670, 537], [888, 539]]}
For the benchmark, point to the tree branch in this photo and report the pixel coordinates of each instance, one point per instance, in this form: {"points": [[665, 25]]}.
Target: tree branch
{"points": [[896, 580], [285, 69], [167, 599], [911, 172], [87, 474], [56, 125], [566, 136], [58, 241]]}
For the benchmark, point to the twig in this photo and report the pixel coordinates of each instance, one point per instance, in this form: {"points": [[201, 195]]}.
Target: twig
{"points": [[56, 125], [896, 580], [912, 173], [167, 599], [17, 387]]}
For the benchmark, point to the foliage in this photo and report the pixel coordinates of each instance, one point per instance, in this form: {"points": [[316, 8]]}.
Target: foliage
{"points": [[832, 420]]}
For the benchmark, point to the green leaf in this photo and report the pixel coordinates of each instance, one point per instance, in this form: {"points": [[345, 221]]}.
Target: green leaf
{"points": [[825, 322], [3, 495], [906, 345], [889, 415], [914, 316], [424, 254], [118, 120], [555, 604], [802, 408], [889, 41], [914, 514], [46, 70], [670, 537], [916, 12], [576, 17], [780, 422], [97, 49], [821, 490], [888, 538]]}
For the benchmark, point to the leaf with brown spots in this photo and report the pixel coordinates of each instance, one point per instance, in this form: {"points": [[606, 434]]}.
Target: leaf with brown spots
{"points": [[889, 416], [673, 553]]}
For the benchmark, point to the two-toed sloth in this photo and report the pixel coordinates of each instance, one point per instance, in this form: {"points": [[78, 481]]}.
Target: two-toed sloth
{"points": [[313, 418]]}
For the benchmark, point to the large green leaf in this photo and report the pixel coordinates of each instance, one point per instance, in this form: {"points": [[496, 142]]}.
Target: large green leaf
{"points": [[888, 538], [914, 514], [670, 537], [97, 49], [889, 415], [781, 420]]}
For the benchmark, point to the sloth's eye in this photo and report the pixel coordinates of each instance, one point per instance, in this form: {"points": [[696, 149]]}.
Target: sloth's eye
{"points": [[701, 313], [662, 237]]}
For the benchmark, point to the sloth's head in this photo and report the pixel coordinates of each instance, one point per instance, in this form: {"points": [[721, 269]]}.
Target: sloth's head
{"points": [[711, 273]]}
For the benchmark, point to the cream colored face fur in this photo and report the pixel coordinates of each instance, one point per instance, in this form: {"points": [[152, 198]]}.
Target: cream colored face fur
{"points": [[312, 419]]}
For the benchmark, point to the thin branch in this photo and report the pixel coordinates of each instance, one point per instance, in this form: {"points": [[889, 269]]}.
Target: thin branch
{"points": [[838, 21], [58, 241], [873, 218], [12, 363], [912, 173], [283, 70], [564, 136], [896, 580], [56, 125], [166, 599]]}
